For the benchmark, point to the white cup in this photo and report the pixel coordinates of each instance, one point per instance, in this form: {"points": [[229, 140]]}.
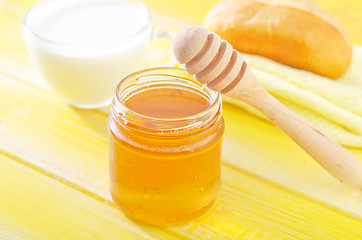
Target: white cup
{"points": [[83, 48]]}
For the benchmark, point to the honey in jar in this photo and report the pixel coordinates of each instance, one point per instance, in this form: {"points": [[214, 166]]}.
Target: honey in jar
{"points": [[165, 148]]}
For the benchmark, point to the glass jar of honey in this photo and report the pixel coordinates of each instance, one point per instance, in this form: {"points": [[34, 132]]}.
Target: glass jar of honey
{"points": [[165, 146]]}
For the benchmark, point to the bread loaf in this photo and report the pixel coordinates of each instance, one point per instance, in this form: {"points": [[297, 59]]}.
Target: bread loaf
{"points": [[297, 33]]}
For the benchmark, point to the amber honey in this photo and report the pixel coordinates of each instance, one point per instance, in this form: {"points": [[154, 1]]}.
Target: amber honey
{"points": [[166, 136]]}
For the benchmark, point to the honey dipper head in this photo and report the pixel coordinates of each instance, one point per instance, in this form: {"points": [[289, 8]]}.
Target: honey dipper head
{"points": [[211, 60], [188, 42]]}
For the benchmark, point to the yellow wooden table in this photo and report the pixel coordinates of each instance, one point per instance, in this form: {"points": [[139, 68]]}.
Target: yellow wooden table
{"points": [[54, 160]]}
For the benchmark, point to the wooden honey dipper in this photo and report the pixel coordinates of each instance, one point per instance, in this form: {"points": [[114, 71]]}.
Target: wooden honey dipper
{"points": [[215, 63]]}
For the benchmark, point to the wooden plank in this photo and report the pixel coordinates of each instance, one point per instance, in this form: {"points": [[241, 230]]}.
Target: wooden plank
{"points": [[258, 147], [42, 130], [14, 59], [72, 144], [35, 206]]}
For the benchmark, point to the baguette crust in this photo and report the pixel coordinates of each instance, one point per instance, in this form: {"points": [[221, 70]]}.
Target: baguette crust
{"points": [[297, 33]]}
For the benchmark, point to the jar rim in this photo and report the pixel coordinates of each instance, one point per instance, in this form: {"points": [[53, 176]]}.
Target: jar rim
{"points": [[215, 107]]}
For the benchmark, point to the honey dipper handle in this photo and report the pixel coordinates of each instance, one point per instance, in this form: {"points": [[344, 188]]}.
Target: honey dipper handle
{"points": [[333, 157], [213, 62]]}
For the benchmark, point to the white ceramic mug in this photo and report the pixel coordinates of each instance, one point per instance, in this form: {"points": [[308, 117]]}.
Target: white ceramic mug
{"points": [[83, 48]]}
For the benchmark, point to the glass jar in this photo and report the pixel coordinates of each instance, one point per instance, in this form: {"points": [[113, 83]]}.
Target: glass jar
{"points": [[165, 146]]}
